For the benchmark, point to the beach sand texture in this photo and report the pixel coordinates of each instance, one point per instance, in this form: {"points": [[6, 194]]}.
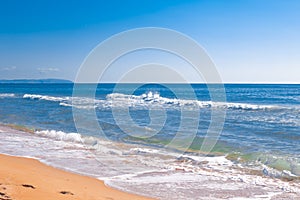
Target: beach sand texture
{"points": [[29, 179]]}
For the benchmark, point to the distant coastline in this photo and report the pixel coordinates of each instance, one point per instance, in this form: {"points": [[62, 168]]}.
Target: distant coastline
{"points": [[35, 81]]}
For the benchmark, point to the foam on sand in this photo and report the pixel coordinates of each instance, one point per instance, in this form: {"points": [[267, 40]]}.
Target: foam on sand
{"points": [[145, 170]]}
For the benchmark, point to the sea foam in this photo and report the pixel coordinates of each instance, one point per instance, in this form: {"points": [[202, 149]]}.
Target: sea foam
{"points": [[7, 95], [68, 137], [145, 100]]}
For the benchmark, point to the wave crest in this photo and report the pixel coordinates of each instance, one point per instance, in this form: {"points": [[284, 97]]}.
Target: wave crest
{"points": [[145, 100], [155, 99], [69, 137]]}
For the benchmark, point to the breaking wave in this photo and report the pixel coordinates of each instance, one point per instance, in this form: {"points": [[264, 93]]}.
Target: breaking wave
{"points": [[69, 137], [146, 100], [44, 97]]}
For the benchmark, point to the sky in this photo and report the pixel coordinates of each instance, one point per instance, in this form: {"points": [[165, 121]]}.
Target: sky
{"points": [[250, 41]]}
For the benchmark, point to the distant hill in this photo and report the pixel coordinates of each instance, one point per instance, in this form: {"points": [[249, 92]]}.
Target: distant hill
{"points": [[36, 81]]}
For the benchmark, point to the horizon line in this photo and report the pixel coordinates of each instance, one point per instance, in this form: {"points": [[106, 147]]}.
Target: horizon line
{"points": [[106, 82]]}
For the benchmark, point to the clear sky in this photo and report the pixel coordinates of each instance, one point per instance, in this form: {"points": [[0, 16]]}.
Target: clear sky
{"points": [[249, 40]]}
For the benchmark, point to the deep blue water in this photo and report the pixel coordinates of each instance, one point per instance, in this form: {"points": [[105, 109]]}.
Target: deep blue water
{"points": [[262, 120]]}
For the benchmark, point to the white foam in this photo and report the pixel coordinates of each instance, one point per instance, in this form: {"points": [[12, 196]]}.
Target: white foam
{"points": [[242, 106], [6, 95], [152, 171], [65, 104], [216, 160], [44, 97], [77, 102], [59, 135], [86, 107], [147, 100], [144, 150], [69, 137]]}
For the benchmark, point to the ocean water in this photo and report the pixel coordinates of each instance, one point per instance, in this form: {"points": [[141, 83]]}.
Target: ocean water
{"points": [[130, 147]]}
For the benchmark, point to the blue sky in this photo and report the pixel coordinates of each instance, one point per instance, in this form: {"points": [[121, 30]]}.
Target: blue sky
{"points": [[249, 40]]}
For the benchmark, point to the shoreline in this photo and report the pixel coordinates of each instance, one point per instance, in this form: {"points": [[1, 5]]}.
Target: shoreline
{"points": [[27, 178], [239, 183]]}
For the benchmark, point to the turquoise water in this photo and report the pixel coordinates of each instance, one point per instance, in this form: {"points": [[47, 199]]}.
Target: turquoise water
{"points": [[262, 123]]}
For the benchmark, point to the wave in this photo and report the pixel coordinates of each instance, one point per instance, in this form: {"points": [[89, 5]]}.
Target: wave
{"points": [[151, 99], [85, 107], [78, 102], [44, 97], [69, 137], [267, 164], [7, 95], [145, 167], [147, 100], [271, 164]]}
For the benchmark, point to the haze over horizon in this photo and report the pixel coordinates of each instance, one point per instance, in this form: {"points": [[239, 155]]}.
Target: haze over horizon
{"points": [[250, 41]]}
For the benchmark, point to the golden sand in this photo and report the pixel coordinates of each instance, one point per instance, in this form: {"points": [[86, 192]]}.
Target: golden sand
{"points": [[29, 179]]}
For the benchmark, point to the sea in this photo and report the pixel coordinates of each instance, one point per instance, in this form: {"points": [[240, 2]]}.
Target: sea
{"points": [[150, 139]]}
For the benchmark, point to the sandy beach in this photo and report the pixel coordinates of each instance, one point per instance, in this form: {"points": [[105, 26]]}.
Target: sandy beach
{"points": [[25, 178]]}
